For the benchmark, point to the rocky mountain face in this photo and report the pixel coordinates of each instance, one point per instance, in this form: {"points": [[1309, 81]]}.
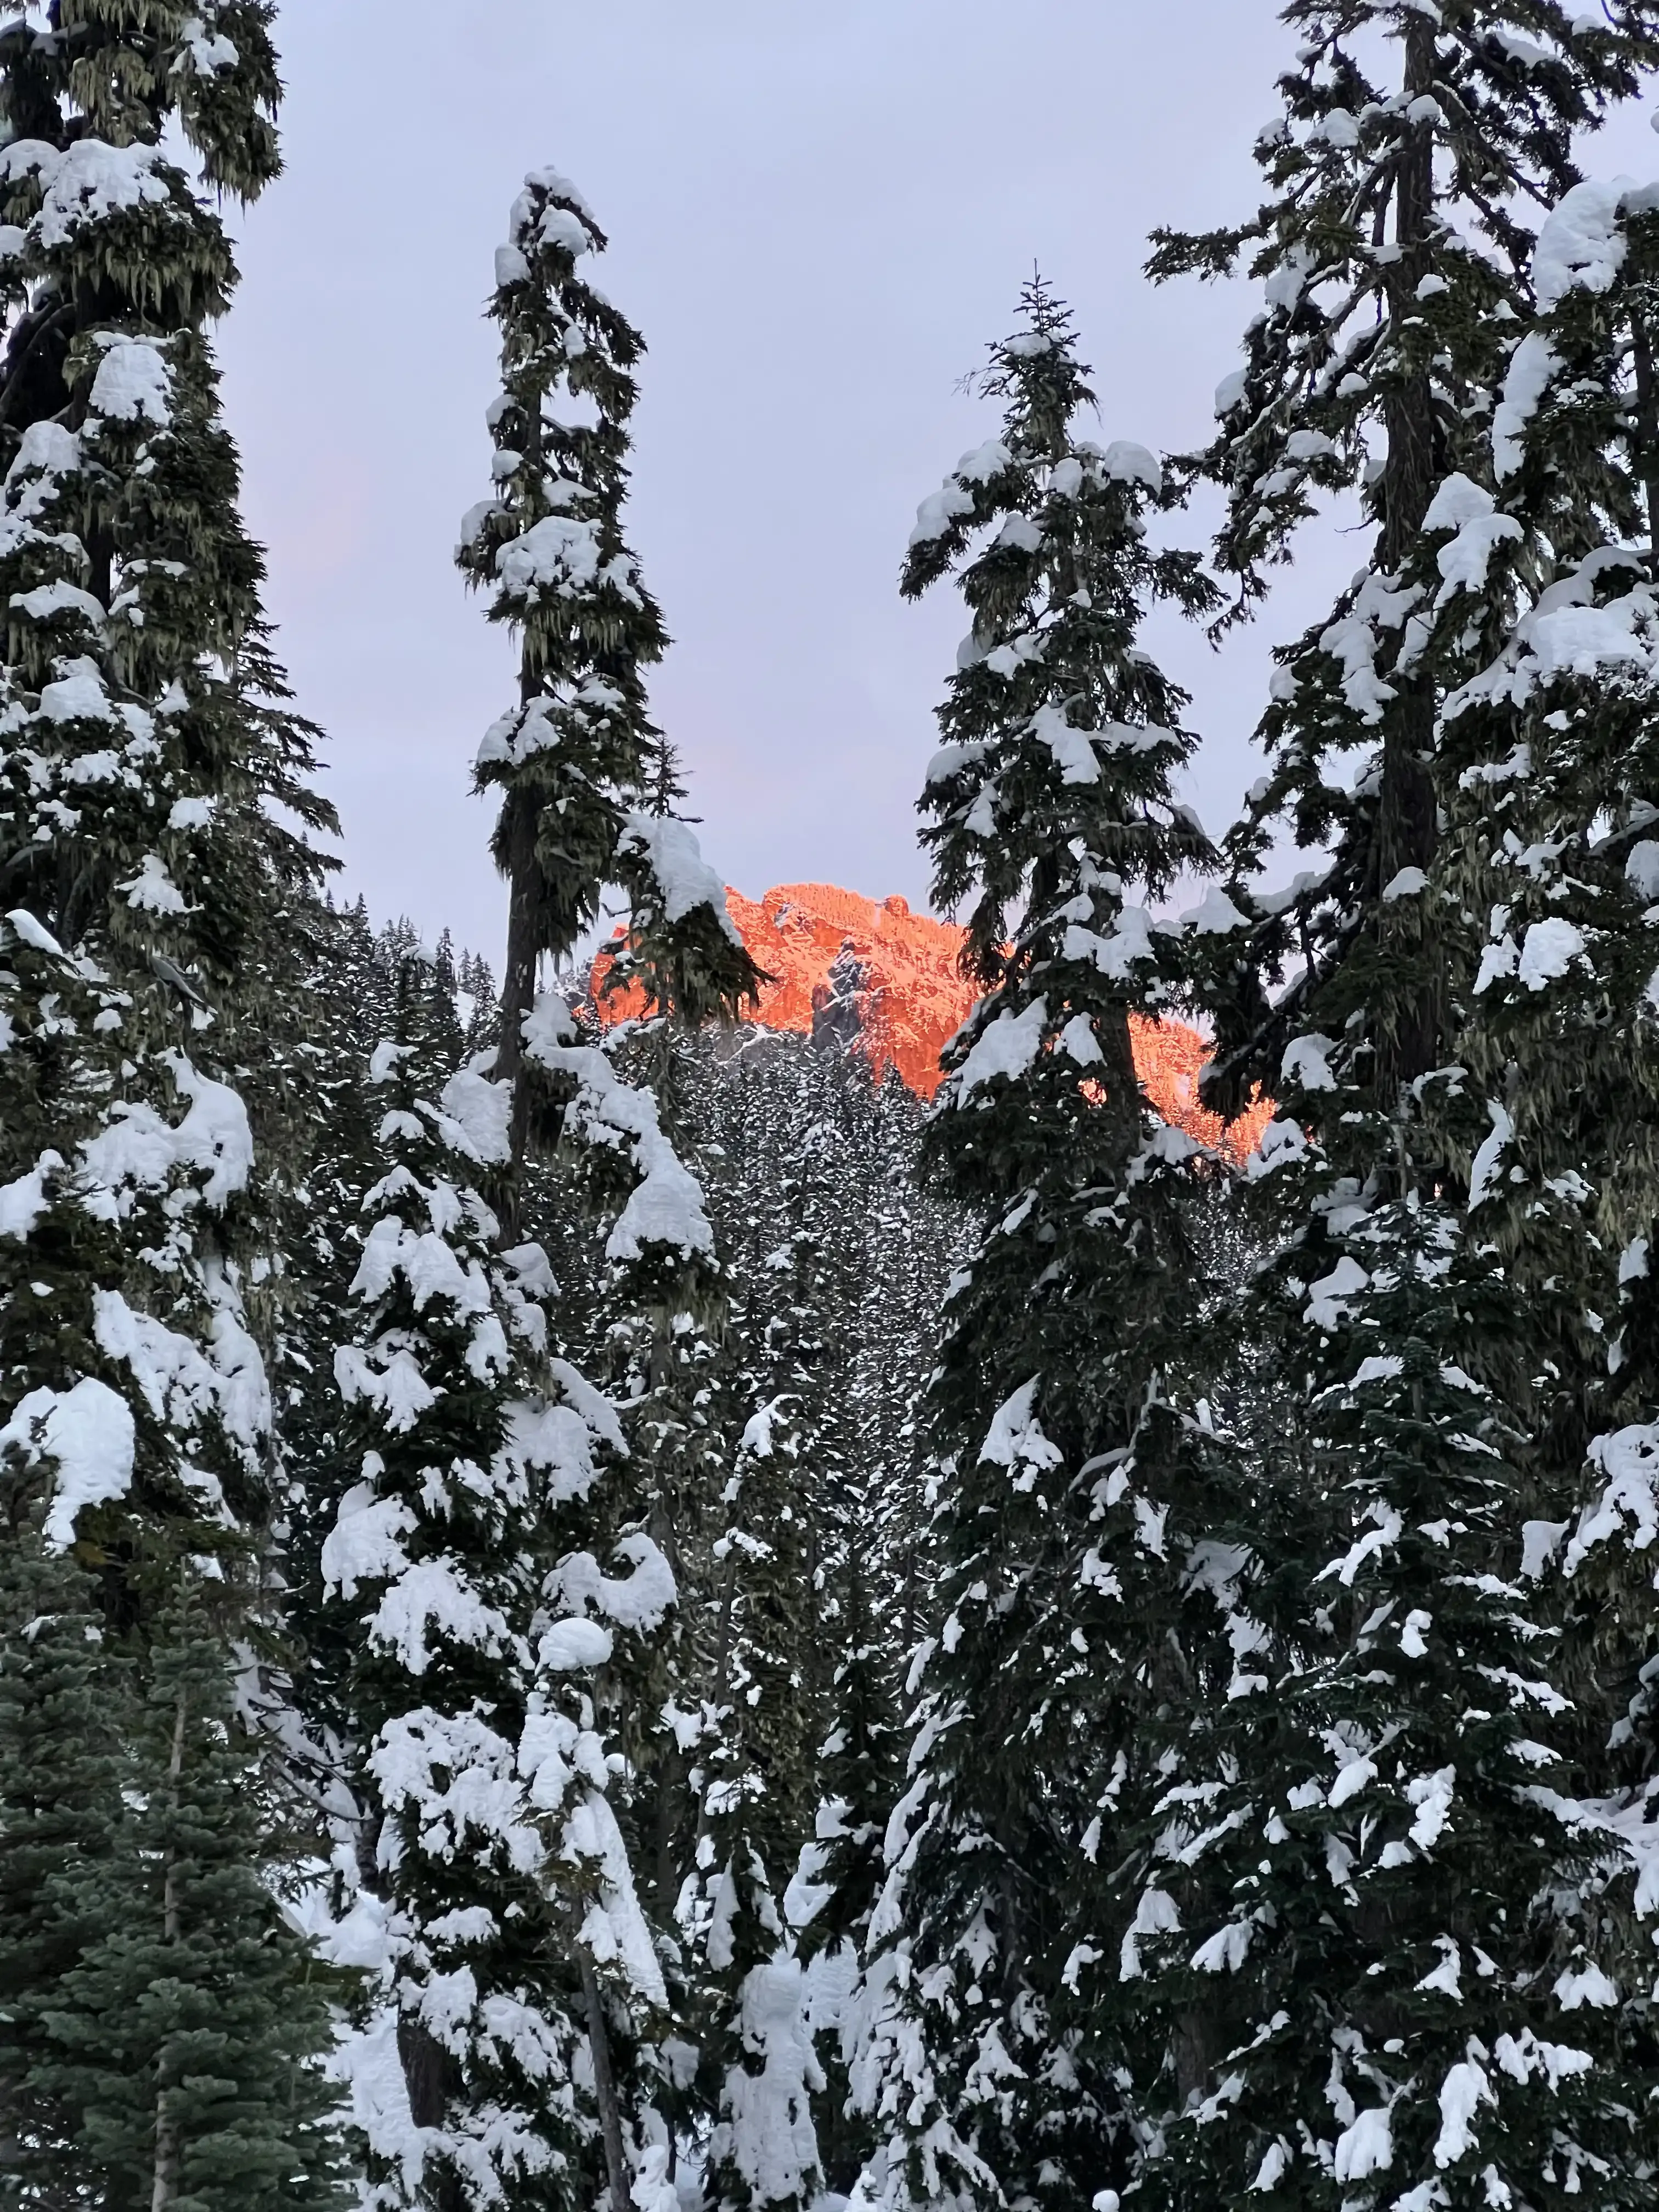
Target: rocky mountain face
{"points": [[871, 972]]}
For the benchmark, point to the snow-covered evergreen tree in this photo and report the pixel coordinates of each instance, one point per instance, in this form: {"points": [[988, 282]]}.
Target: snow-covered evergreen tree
{"points": [[1377, 1888], [1073, 1492], [497, 1876], [143, 948], [579, 761], [1393, 249]]}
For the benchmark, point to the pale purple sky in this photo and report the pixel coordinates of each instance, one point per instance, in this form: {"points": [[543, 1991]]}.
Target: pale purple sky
{"points": [[818, 215]]}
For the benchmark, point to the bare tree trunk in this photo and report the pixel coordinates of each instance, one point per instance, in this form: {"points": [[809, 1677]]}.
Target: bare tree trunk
{"points": [[604, 2084]]}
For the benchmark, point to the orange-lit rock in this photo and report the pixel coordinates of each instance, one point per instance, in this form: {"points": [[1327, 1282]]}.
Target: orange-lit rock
{"points": [[911, 996]]}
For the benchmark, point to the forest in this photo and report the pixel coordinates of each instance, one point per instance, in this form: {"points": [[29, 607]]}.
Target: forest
{"points": [[602, 1608]]}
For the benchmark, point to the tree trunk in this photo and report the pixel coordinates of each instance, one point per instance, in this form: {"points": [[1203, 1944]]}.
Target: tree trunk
{"points": [[165, 2184], [1647, 429], [1407, 829], [429, 2073], [604, 2084]]}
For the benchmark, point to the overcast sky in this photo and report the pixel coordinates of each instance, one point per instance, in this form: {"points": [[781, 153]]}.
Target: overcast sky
{"points": [[819, 215]]}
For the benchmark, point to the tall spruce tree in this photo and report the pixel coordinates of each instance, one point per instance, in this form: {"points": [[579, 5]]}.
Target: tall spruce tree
{"points": [[146, 892], [1072, 1494], [579, 763], [496, 1871], [1384, 1880]]}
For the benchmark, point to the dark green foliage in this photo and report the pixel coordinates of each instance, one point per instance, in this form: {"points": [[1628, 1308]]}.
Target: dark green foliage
{"points": [[184, 2042]]}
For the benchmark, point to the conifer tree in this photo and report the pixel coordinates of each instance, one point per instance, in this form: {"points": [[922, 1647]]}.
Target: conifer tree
{"points": [[1376, 1881], [147, 895], [58, 1693], [579, 761], [756, 1767], [1072, 1494], [1393, 251], [187, 2037], [500, 1874]]}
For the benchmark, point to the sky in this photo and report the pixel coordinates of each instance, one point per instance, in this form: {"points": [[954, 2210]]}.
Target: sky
{"points": [[819, 216]]}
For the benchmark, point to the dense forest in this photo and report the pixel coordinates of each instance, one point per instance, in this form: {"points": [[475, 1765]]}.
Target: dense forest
{"points": [[601, 1607]]}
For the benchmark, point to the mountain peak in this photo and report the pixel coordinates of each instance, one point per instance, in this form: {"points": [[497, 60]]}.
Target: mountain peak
{"points": [[869, 972]]}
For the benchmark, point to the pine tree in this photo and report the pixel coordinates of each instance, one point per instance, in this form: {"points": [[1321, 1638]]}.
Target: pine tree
{"points": [[755, 1766], [187, 2037], [500, 1871], [1376, 1884], [149, 894], [1394, 256], [579, 761], [1073, 1492], [57, 1692]]}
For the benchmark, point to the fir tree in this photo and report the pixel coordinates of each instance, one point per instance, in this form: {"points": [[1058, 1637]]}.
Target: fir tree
{"points": [[501, 1869], [149, 896], [186, 2037], [1400, 1756], [579, 761], [58, 1695], [1072, 1495]]}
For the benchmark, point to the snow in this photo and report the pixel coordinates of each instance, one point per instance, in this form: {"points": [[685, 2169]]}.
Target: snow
{"points": [[90, 1432], [1432, 1794], [1328, 1299], [1407, 883], [138, 1148], [614, 1928], [766, 2128], [1531, 365], [676, 860], [1642, 869], [1128, 463], [479, 1117], [134, 382], [1007, 1047], [1462, 2093], [1366, 2148], [939, 510], [1464, 507], [1626, 1508], [1114, 956], [77, 695], [153, 890], [1077, 1039], [1548, 951], [572, 1646], [1486, 1172], [1305, 1065], [559, 554], [47, 601], [1355, 642], [641, 1600], [511, 268], [1580, 243], [91, 180], [23, 1202], [665, 1207], [1015, 1439], [1587, 1985], [434, 1595], [366, 1542], [1073, 750], [181, 1384], [1156, 1914]]}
